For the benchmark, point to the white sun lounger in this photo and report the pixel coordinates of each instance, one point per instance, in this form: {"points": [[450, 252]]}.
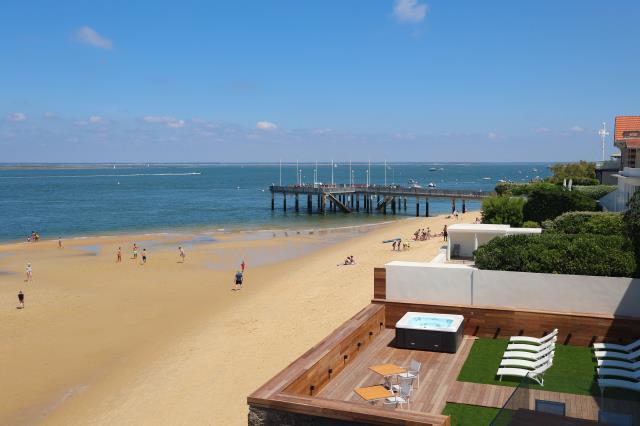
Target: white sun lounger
{"points": [[618, 372], [615, 347], [521, 363], [530, 348], [535, 375], [614, 363], [620, 384], [531, 356], [534, 340], [618, 355]]}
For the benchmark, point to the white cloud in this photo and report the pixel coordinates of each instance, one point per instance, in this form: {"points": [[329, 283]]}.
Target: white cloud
{"points": [[170, 122], [541, 130], [409, 10], [96, 119], [49, 114], [266, 125], [88, 35], [577, 129], [17, 116], [492, 135]]}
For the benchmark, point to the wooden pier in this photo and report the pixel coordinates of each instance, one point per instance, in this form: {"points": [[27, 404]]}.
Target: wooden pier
{"points": [[350, 198]]}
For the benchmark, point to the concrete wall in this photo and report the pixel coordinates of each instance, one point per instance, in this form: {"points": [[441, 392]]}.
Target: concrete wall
{"points": [[434, 282], [459, 284]]}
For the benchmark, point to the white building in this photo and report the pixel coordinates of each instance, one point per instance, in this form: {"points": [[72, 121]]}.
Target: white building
{"points": [[627, 139], [464, 239]]}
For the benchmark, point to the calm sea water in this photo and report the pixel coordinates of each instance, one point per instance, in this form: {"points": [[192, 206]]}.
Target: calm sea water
{"points": [[103, 200]]}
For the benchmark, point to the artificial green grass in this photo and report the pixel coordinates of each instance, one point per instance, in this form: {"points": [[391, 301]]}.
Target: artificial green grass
{"points": [[573, 370], [465, 415]]}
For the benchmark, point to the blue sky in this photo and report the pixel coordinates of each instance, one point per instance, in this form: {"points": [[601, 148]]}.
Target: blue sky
{"points": [[305, 80]]}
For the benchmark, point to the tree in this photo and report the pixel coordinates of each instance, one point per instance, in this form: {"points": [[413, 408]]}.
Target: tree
{"points": [[631, 220], [503, 210], [543, 204], [582, 173]]}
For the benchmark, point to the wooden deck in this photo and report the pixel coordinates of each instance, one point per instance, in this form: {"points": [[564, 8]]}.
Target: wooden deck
{"points": [[438, 374], [585, 407]]}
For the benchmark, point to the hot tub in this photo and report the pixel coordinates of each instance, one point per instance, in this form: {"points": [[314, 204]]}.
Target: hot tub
{"points": [[429, 332]]}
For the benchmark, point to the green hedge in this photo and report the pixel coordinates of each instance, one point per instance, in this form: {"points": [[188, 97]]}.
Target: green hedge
{"points": [[543, 204], [559, 254], [596, 191], [503, 210], [587, 223], [631, 220], [530, 224], [509, 188]]}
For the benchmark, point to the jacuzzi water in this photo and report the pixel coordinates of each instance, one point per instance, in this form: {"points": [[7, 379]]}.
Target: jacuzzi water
{"points": [[429, 322]]}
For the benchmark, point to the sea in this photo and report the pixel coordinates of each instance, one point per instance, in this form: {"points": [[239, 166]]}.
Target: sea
{"points": [[105, 199]]}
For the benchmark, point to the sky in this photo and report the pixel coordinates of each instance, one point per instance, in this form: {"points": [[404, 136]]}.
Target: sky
{"points": [[247, 81]]}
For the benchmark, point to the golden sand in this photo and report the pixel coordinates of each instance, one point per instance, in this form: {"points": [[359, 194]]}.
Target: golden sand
{"points": [[170, 343]]}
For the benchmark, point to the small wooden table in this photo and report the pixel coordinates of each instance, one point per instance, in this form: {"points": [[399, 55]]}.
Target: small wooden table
{"points": [[373, 393], [387, 371]]}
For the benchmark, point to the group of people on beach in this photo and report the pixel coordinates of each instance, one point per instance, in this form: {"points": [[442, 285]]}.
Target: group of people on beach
{"points": [[28, 278], [422, 235], [134, 255], [34, 237], [238, 278]]}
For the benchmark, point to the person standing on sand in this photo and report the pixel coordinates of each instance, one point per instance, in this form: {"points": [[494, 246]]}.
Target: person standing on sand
{"points": [[20, 300], [182, 253], [144, 256], [29, 271], [119, 255], [59, 242], [243, 265], [135, 251], [445, 234], [238, 281]]}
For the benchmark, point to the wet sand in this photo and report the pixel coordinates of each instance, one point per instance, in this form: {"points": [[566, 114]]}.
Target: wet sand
{"points": [[167, 342]]}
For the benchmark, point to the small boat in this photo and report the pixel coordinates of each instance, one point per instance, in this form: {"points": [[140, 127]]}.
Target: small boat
{"points": [[502, 181], [534, 170], [486, 178], [433, 169], [431, 185], [413, 183]]}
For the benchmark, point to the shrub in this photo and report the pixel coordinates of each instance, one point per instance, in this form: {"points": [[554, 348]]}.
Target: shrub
{"points": [[589, 223], [582, 181], [631, 221], [530, 224], [502, 210], [596, 191], [553, 253], [508, 188], [582, 173], [543, 204]]}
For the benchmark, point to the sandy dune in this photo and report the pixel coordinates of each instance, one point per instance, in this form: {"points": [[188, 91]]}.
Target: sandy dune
{"points": [[170, 343]]}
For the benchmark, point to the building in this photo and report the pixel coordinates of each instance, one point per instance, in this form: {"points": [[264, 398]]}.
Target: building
{"points": [[465, 238], [627, 139], [606, 170]]}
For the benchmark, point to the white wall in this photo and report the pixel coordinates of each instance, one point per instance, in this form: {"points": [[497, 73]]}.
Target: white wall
{"points": [[435, 282], [460, 284]]}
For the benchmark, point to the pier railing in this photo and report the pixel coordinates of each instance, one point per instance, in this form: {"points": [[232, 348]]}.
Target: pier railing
{"points": [[392, 190]]}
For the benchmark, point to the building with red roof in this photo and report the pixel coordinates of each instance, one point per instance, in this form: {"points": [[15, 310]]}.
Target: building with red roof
{"points": [[626, 137]]}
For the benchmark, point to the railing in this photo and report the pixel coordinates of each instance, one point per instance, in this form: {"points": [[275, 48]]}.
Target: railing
{"points": [[529, 405], [381, 189]]}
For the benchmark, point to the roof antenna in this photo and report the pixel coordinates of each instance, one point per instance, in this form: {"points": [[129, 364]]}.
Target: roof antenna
{"points": [[603, 135]]}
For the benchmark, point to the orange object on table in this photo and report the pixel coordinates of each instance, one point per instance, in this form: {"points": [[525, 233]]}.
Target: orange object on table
{"points": [[388, 369], [371, 393]]}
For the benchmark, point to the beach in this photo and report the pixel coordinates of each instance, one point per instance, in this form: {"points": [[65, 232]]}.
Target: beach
{"points": [[101, 342]]}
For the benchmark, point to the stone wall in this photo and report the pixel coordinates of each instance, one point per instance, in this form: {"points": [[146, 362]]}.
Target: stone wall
{"points": [[270, 417]]}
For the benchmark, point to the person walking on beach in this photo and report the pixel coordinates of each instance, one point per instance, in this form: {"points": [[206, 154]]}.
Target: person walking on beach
{"points": [[144, 256], [29, 271], [135, 251], [238, 280], [59, 242], [182, 254], [242, 266], [20, 300], [445, 234], [119, 255]]}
